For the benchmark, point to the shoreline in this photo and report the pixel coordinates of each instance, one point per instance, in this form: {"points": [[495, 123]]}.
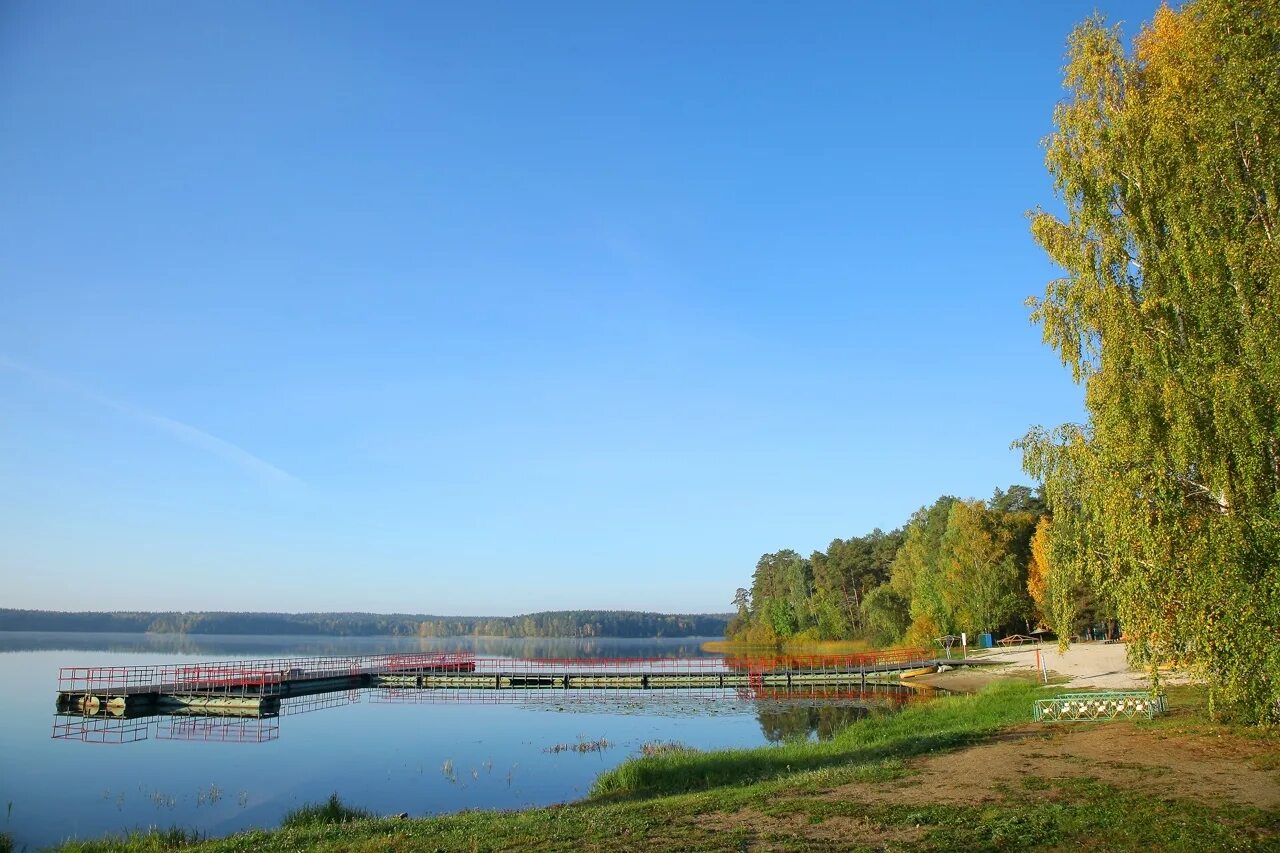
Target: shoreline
{"points": [[1094, 665], [961, 771]]}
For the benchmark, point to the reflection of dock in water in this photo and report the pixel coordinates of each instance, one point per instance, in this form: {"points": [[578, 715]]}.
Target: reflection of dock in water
{"points": [[242, 701], [225, 725], [639, 700]]}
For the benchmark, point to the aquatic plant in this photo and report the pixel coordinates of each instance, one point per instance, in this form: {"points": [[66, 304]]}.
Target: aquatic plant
{"points": [[210, 796], [581, 746], [660, 747], [162, 800]]}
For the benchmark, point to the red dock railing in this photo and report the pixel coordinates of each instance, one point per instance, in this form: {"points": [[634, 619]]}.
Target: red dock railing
{"points": [[262, 677], [270, 676], [95, 713]]}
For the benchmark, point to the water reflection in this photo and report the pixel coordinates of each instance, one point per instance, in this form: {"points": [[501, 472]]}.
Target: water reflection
{"points": [[783, 715], [806, 722], [229, 700], [115, 727], [824, 712], [381, 750]]}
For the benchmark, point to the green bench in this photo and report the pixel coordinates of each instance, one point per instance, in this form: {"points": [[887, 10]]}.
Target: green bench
{"points": [[1086, 707]]}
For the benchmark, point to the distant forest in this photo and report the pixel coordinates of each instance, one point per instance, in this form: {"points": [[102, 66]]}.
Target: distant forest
{"points": [[560, 623]]}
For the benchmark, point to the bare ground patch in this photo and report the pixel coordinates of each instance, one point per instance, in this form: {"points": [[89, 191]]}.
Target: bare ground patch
{"points": [[1224, 768]]}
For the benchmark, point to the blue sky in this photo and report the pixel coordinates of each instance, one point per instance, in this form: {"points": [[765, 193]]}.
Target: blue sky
{"points": [[485, 308]]}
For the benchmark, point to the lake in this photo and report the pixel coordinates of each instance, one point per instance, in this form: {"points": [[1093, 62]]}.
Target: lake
{"points": [[390, 752]]}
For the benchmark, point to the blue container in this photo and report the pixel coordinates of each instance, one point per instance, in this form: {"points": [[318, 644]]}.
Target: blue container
{"points": [[984, 641]]}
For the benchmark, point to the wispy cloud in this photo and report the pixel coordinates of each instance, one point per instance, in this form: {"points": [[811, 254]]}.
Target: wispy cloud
{"points": [[260, 468]]}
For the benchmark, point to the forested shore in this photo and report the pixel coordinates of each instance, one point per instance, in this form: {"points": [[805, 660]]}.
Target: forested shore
{"points": [[1162, 508], [559, 623], [956, 566]]}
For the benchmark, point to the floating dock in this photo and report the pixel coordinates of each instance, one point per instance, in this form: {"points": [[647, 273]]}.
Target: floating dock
{"points": [[253, 686], [257, 687]]}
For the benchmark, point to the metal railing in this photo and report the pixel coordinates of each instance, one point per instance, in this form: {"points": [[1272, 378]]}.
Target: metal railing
{"points": [[638, 697], [100, 729], [219, 729], [247, 676], [1089, 707], [262, 676]]}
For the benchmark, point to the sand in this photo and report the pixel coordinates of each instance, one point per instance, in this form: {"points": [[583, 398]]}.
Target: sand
{"points": [[1093, 664]]}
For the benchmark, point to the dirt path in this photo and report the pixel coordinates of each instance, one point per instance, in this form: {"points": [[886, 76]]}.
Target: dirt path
{"points": [[1167, 762], [1232, 770], [1210, 769]]}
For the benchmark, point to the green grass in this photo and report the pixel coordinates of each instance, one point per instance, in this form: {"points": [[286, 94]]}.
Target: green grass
{"points": [[332, 810], [174, 838], [915, 730], [1065, 815], [789, 797]]}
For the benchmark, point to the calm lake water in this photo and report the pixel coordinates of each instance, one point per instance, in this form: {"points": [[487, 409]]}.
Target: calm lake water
{"points": [[386, 754]]}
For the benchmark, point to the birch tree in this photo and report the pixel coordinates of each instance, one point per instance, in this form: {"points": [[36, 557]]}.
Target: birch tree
{"points": [[1167, 162]]}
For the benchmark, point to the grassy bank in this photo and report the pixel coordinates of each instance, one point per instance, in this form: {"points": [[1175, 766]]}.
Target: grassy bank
{"points": [[883, 782], [877, 746]]}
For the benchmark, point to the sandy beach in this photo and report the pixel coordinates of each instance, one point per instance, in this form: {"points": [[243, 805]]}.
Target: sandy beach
{"points": [[1091, 664]]}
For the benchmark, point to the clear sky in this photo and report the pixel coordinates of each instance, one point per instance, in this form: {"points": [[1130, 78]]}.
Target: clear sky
{"points": [[481, 308]]}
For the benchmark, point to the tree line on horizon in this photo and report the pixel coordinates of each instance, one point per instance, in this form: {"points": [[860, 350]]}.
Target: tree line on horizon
{"points": [[559, 623]]}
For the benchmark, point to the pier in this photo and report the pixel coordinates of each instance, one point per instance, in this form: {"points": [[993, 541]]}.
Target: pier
{"points": [[238, 685], [259, 686], [243, 700]]}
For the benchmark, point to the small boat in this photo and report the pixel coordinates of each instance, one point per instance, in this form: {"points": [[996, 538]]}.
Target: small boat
{"points": [[920, 670]]}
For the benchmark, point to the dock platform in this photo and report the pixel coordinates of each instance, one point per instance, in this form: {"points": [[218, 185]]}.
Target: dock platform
{"points": [[259, 686]]}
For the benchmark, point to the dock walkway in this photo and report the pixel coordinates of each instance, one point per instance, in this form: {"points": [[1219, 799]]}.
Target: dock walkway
{"points": [[260, 685]]}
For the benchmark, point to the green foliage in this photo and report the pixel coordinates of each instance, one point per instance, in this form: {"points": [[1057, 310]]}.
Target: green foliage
{"points": [[1167, 501], [984, 566], [847, 571], [818, 598], [829, 618], [332, 810], [1017, 499], [780, 617], [886, 614], [1038, 569], [951, 569], [780, 590], [173, 838], [963, 565], [916, 574]]}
